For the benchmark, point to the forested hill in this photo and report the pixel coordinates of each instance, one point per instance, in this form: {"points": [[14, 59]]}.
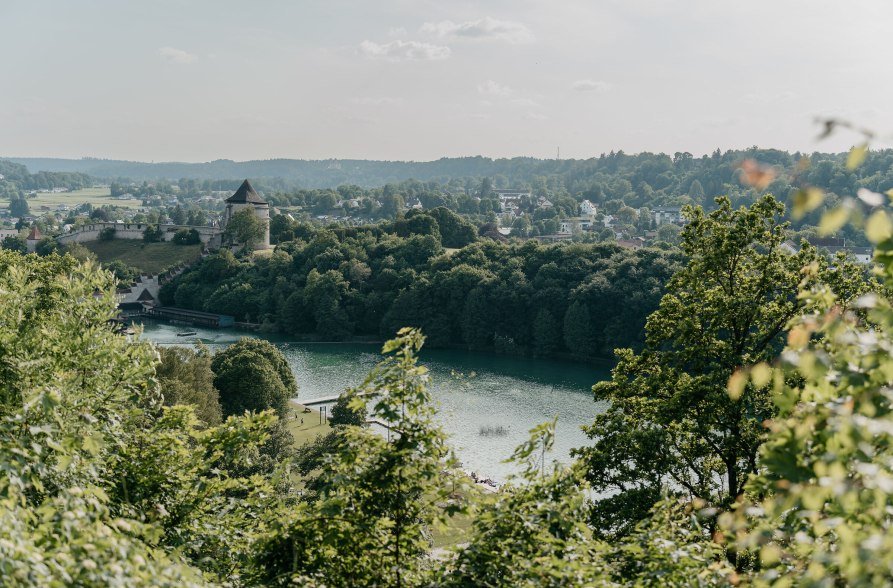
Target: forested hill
{"points": [[641, 173]]}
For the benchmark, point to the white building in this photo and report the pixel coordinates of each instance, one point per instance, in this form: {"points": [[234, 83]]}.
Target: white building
{"points": [[667, 214], [587, 208], [574, 225]]}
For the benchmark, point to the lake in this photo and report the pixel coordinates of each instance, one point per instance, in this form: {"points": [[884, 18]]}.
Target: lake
{"points": [[474, 390]]}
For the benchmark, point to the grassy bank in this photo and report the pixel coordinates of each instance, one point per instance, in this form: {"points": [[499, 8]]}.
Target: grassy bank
{"points": [[149, 258], [309, 429]]}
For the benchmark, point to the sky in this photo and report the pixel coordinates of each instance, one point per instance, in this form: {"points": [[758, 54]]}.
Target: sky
{"points": [[198, 80]]}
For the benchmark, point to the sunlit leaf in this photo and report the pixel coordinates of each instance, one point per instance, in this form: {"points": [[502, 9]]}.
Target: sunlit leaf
{"points": [[856, 156], [760, 374], [870, 198], [806, 200], [798, 337], [756, 175], [736, 384], [833, 220], [879, 227]]}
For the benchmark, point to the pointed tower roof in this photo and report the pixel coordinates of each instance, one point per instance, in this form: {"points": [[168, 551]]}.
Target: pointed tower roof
{"points": [[244, 194], [35, 234]]}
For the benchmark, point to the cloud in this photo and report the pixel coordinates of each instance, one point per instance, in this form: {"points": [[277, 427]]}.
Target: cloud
{"points": [[597, 86], [525, 102], [378, 101], [486, 29], [535, 116], [176, 55], [404, 51], [491, 88], [764, 98]]}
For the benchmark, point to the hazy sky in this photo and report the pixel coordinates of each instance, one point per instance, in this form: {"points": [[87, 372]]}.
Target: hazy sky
{"points": [[196, 80]]}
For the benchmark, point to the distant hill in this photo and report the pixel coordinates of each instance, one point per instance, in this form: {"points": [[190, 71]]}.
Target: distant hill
{"points": [[300, 173]]}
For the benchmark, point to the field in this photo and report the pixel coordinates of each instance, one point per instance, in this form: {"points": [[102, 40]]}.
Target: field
{"points": [[150, 258], [94, 196]]}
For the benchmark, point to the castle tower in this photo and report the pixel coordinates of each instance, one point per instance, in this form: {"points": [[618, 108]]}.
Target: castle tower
{"points": [[244, 197]]}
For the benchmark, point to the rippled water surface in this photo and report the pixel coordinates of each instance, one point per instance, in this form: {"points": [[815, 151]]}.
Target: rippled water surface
{"points": [[474, 391]]}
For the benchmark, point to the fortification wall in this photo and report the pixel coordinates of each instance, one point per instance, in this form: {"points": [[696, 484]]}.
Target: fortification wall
{"points": [[210, 236]]}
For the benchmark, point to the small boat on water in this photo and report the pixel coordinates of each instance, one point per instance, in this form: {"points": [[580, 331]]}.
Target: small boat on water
{"points": [[186, 334]]}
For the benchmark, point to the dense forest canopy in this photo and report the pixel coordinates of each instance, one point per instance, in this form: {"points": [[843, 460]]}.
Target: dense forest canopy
{"points": [[581, 299]]}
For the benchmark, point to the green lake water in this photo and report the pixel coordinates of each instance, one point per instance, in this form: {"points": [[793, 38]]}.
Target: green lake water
{"points": [[474, 391]]}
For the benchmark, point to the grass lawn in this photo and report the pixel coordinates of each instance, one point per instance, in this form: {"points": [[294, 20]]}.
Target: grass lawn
{"points": [[150, 258], [95, 196], [311, 427], [455, 530]]}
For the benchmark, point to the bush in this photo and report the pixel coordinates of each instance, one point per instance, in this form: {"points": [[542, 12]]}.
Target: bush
{"points": [[187, 237], [153, 234], [107, 234]]}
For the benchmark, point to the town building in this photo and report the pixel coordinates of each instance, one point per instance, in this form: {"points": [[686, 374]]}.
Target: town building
{"points": [[587, 208], [33, 239], [667, 214], [575, 224]]}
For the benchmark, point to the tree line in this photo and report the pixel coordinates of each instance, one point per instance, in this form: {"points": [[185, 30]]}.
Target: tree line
{"points": [[525, 298]]}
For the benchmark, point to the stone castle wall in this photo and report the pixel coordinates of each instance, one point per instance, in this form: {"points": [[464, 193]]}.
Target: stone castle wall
{"points": [[210, 236]]}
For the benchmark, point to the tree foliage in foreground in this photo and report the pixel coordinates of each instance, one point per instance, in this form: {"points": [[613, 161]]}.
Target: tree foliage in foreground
{"points": [[819, 511], [670, 424], [101, 485], [378, 496]]}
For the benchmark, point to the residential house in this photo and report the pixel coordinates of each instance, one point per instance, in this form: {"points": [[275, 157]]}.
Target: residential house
{"points": [[587, 208], [575, 224], [667, 214]]}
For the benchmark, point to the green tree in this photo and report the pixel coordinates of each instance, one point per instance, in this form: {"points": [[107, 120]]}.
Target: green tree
{"points": [[324, 294], [325, 202], [669, 232], [102, 485], [19, 207], [124, 273], [819, 508], [47, 246], [185, 377], [696, 191], [346, 411], [392, 204], [579, 337], [14, 243], [80, 252], [670, 426], [153, 234], [245, 228], [546, 333], [187, 237], [252, 375], [394, 488]]}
